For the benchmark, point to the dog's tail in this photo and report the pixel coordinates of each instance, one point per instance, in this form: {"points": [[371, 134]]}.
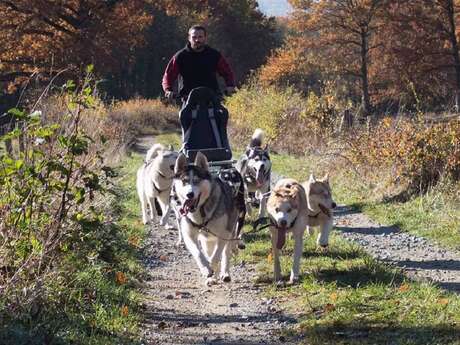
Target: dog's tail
{"points": [[257, 138], [153, 152]]}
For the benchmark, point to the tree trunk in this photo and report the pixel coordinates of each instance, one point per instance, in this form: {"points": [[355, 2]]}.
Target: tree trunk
{"points": [[366, 103], [454, 44]]}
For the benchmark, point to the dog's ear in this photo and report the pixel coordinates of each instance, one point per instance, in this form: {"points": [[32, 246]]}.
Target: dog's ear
{"points": [[201, 161], [267, 148], [312, 178], [181, 162]]}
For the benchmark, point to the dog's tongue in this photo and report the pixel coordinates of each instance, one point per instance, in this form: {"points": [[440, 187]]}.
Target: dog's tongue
{"points": [[281, 238], [260, 179], [186, 208]]}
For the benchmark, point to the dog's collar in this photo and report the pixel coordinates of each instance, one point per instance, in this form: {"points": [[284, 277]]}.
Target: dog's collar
{"points": [[163, 175], [159, 191], [322, 209]]}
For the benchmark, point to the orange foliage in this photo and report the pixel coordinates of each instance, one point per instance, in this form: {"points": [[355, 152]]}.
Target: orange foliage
{"points": [[40, 36]]}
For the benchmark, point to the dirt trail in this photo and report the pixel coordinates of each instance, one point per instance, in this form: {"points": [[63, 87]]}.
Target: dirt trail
{"points": [[180, 309]]}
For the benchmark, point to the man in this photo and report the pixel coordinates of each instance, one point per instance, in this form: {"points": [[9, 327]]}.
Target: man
{"points": [[197, 64]]}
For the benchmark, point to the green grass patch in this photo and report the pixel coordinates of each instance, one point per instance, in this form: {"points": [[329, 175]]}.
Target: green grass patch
{"points": [[346, 297]]}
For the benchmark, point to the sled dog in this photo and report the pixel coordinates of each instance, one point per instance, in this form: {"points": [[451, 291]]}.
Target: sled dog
{"points": [[208, 216], [287, 210], [154, 181], [320, 206], [255, 167]]}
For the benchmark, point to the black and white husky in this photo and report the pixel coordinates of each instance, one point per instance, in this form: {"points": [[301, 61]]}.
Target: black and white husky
{"points": [[208, 216], [154, 181], [255, 167]]}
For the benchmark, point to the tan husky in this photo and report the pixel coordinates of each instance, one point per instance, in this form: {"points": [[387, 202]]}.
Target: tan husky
{"points": [[287, 209], [320, 206]]}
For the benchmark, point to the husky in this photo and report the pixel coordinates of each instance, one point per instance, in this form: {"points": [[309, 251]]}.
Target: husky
{"points": [[287, 210], [255, 167], [320, 206], [154, 181], [233, 178], [208, 216]]}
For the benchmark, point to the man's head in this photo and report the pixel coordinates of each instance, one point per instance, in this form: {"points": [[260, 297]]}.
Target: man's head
{"points": [[197, 37]]}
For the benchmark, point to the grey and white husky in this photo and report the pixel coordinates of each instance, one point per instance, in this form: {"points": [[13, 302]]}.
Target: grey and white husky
{"points": [[208, 217], [154, 181], [255, 167], [320, 206]]}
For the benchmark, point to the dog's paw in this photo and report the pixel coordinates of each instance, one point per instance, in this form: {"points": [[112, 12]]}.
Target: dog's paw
{"points": [[279, 283], [210, 281], [226, 278], [169, 226], [322, 248], [293, 280]]}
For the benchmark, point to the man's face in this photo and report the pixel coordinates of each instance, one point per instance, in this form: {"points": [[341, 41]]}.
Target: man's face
{"points": [[197, 39]]}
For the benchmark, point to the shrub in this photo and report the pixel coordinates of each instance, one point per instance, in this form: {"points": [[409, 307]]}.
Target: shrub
{"points": [[58, 248]]}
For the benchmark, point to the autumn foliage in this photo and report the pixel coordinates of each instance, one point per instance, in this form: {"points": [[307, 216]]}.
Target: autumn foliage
{"points": [[388, 53], [40, 37]]}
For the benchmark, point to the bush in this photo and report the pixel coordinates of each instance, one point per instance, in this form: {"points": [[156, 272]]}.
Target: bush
{"points": [[293, 123], [59, 249], [418, 154]]}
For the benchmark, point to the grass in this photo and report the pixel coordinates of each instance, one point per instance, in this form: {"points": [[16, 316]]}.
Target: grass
{"points": [[346, 297], [94, 302]]}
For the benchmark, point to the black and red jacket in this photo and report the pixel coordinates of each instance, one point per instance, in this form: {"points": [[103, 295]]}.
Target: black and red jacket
{"points": [[197, 69]]}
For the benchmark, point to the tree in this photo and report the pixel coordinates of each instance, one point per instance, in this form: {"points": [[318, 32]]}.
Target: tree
{"points": [[342, 33], [44, 36], [419, 51]]}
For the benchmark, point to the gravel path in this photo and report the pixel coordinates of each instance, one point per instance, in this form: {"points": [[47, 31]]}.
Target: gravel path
{"points": [[419, 258], [180, 309]]}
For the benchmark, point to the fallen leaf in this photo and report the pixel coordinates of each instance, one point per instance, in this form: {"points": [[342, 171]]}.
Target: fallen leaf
{"points": [[404, 288], [333, 296], [329, 307], [124, 310], [443, 301], [270, 258], [120, 278], [163, 258]]}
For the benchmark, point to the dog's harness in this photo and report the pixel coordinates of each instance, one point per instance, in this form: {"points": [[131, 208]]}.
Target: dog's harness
{"points": [[322, 209], [203, 227], [271, 222], [159, 191]]}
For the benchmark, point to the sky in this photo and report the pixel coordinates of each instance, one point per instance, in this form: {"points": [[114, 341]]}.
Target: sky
{"points": [[274, 7]]}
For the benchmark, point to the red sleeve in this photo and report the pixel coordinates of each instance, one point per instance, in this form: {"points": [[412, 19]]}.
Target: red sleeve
{"points": [[170, 76], [224, 69]]}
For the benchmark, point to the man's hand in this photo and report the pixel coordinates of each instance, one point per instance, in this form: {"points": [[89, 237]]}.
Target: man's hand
{"points": [[229, 90], [169, 95]]}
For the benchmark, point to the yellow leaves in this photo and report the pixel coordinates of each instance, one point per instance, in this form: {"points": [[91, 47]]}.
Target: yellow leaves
{"points": [[120, 278], [134, 241], [443, 301], [333, 296], [270, 258]]}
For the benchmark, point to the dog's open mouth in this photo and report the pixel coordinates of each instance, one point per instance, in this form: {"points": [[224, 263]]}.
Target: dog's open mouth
{"points": [[325, 210], [189, 205], [260, 178], [281, 240]]}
